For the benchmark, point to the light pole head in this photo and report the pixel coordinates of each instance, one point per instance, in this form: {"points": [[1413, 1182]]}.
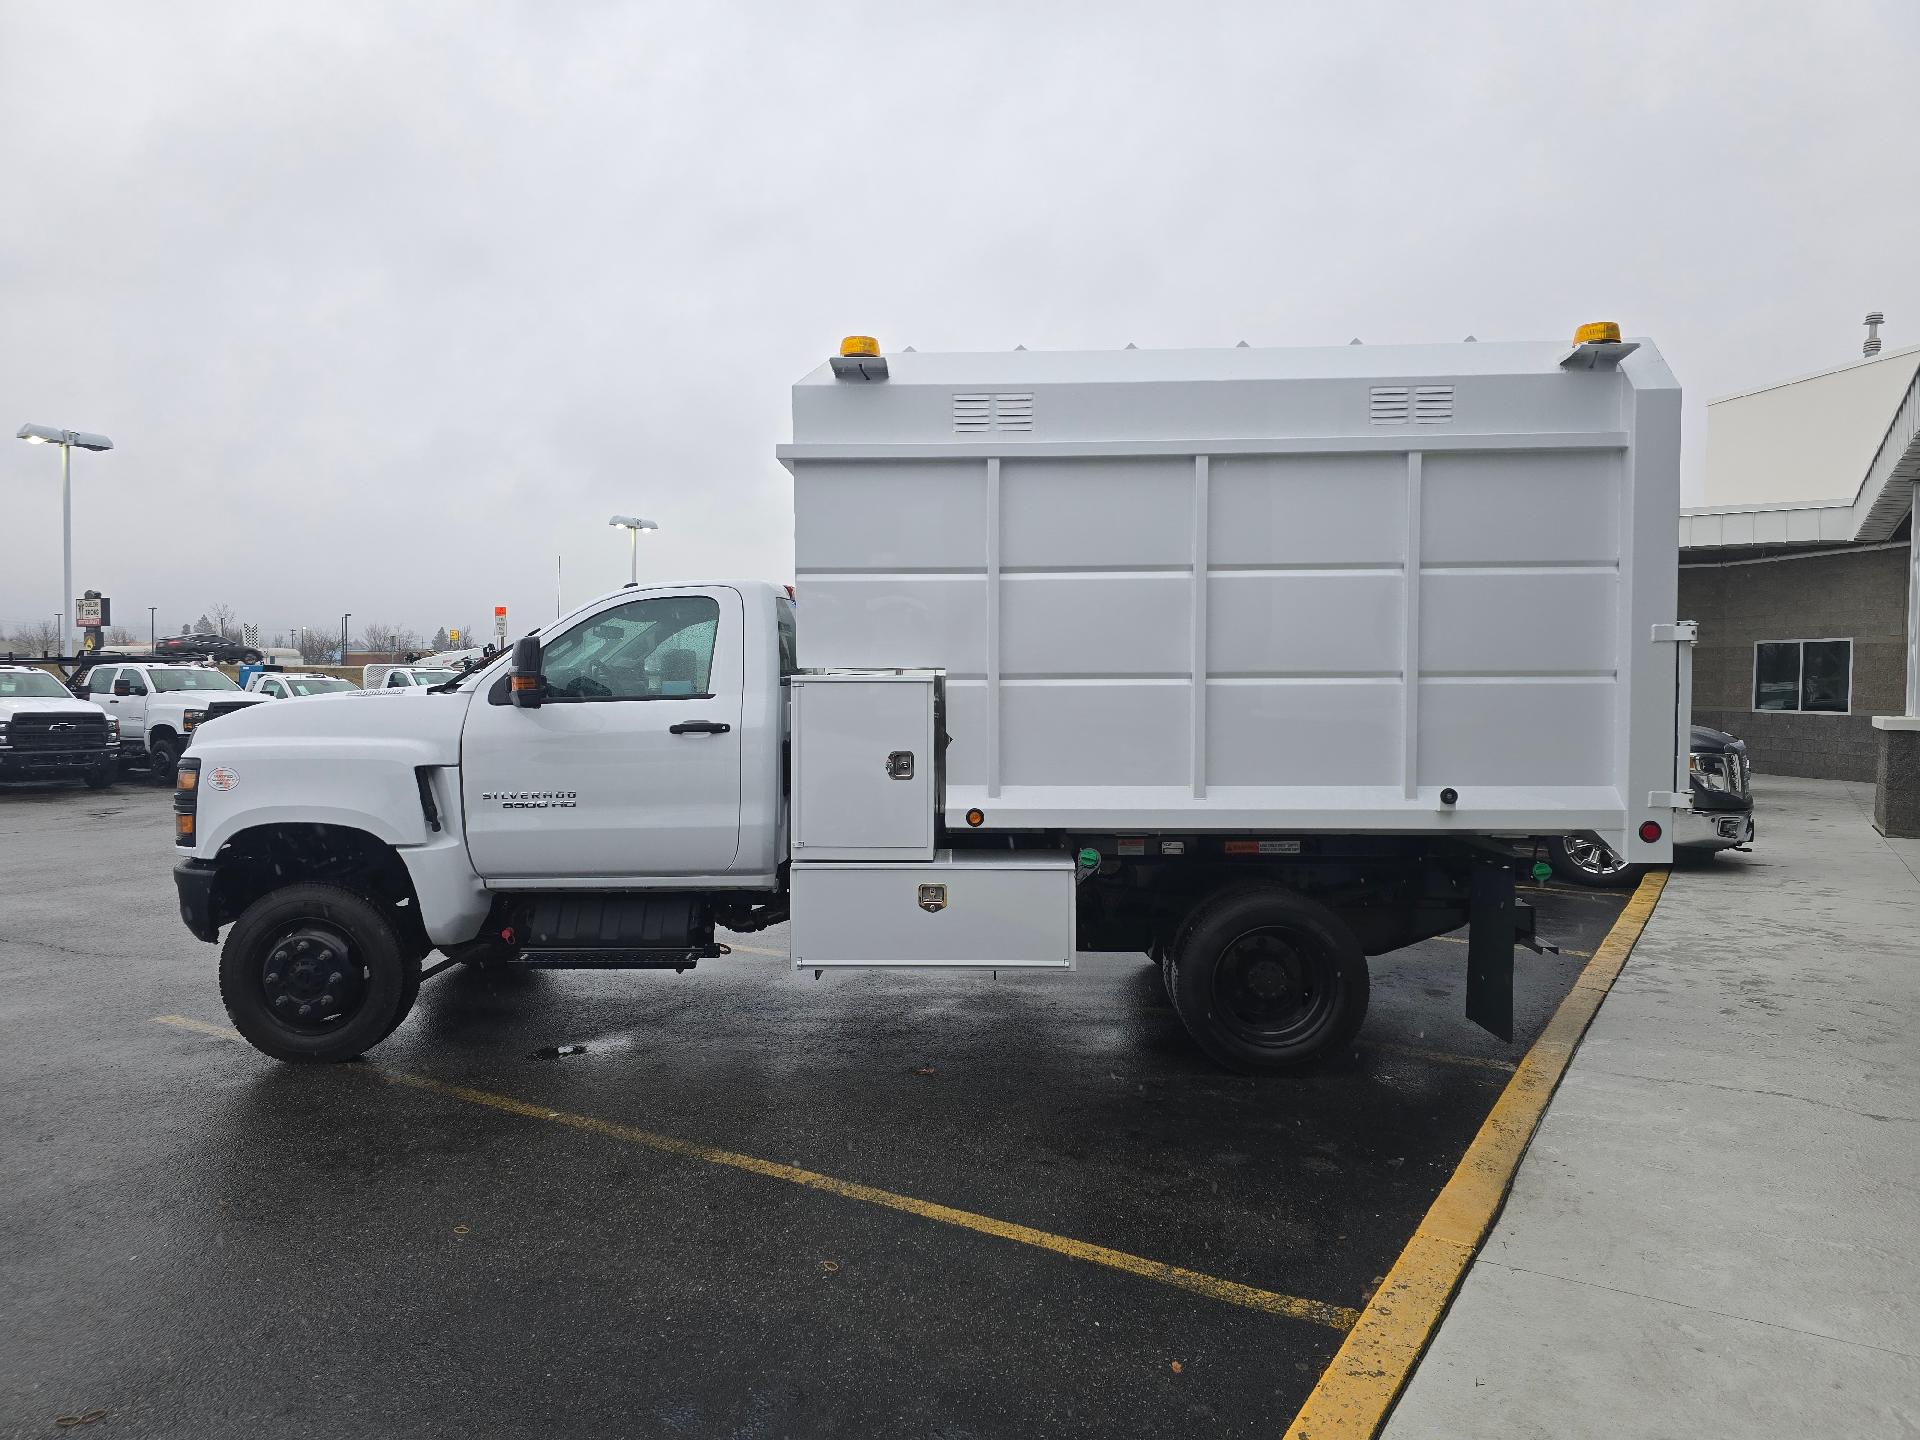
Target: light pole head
{"points": [[633, 523], [50, 435]]}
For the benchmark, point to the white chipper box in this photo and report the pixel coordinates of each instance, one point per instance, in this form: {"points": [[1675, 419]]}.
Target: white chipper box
{"points": [[1355, 589]]}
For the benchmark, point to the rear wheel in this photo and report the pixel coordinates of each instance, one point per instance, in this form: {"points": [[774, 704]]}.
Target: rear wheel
{"points": [[1589, 863], [316, 973], [1268, 982]]}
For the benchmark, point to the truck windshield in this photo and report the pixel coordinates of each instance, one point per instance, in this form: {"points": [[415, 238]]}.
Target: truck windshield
{"points": [[318, 685], [31, 685], [190, 679]]}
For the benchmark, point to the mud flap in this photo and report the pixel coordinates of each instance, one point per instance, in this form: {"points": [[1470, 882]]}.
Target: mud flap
{"points": [[1491, 936]]}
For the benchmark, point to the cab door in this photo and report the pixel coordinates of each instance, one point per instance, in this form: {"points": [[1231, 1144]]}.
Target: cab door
{"points": [[630, 770]]}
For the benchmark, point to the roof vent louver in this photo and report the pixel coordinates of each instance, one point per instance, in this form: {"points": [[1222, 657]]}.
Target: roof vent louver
{"points": [[1432, 404], [1410, 405], [981, 413], [1390, 405]]}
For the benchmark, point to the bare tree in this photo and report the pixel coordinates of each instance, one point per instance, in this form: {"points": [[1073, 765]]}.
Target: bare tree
{"points": [[120, 635], [40, 637], [226, 621], [316, 644], [392, 640]]}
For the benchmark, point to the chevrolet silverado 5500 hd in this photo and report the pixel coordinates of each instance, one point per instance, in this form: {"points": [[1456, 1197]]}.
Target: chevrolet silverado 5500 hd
{"points": [[1249, 660]]}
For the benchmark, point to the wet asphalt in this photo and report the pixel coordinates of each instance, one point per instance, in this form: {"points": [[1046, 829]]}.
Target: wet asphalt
{"points": [[197, 1241]]}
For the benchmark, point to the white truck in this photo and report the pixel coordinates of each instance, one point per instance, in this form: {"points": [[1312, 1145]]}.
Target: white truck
{"points": [[46, 734], [159, 707], [400, 677], [1249, 660], [296, 684]]}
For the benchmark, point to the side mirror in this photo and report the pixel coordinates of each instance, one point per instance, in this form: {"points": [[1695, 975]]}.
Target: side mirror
{"points": [[123, 687], [528, 685]]}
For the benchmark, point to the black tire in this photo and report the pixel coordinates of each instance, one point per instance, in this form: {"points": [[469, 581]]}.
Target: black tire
{"points": [[101, 778], [1268, 982], [324, 948], [1582, 862], [163, 755]]}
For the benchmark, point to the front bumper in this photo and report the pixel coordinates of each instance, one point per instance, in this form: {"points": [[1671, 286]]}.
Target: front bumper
{"points": [[1712, 829], [36, 764], [194, 880]]}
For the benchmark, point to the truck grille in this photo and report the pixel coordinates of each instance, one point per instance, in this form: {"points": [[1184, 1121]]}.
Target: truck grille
{"points": [[224, 707], [51, 734]]}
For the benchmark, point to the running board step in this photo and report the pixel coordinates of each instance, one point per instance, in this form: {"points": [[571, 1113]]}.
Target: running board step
{"points": [[607, 957]]}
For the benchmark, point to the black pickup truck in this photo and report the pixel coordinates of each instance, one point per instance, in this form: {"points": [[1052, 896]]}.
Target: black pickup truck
{"points": [[1721, 817]]}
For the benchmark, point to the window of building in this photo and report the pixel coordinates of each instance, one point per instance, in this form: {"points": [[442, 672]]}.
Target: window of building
{"points": [[1807, 676]]}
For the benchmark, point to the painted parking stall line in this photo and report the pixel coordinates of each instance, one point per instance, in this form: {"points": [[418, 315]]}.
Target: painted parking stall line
{"points": [[1211, 1287]]}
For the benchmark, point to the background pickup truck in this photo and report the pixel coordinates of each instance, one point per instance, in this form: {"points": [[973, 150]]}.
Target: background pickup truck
{"points": [[46, 734], [159, 707]]}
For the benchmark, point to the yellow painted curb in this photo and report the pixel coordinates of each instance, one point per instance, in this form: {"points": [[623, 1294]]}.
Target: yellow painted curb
{"points": [[1358, 1389]]}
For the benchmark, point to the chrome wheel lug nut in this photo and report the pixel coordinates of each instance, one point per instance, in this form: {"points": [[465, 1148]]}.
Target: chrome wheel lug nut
{"points": [[306, 1009], [281, 1000]]}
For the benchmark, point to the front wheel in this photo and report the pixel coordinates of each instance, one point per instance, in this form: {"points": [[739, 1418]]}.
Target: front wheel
{"points": [[314, 973], [1589, 863], [103, 776], [1268, 982], [163, 755]]}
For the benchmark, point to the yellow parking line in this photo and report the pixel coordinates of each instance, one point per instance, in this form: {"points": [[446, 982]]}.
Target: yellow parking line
{"points": [[1461, 940], [756, 950], [1366, 1376], [1318, 1312], [1482, 1062]]}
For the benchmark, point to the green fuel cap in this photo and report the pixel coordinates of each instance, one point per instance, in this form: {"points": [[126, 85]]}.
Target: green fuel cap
{"points": [[1089, 858], [1541, 871]]}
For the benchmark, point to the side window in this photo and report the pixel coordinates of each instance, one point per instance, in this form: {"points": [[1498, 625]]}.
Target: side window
{"points": [[657, 649], [1807, 676], [275, 689], [789, 637], [397, 680], [100, 682]]}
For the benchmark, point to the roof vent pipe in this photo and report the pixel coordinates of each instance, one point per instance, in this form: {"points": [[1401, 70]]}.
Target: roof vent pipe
{"points": [[1874, 321]]}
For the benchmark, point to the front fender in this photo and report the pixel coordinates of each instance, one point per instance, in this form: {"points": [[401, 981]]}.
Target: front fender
{"points": [[363, 784]]}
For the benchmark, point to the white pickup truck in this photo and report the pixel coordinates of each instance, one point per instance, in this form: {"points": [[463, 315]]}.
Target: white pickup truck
{"points": [[1249, 660], [160, 707], [46, 734], [296, 684]]}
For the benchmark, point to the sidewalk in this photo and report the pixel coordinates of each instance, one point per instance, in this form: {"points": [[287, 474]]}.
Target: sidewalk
{"points": [[1717, 1229]]}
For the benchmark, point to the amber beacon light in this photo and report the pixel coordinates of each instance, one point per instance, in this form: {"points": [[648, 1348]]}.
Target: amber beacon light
{"points": [[867, 345], [1601, 332]]}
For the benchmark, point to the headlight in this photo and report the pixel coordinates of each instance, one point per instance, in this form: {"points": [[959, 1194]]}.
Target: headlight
{"points": [[191, 719], [113, 728], [1713, 771]]}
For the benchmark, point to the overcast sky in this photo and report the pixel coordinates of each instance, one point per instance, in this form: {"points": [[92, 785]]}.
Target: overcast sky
{"points": [[384, 306]]}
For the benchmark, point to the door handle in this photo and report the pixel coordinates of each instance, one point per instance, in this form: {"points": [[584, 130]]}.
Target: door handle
{"points": [[699, 727]]}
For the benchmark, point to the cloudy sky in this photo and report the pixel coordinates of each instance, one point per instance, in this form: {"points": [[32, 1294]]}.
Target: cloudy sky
{"points": [[385, 306]]}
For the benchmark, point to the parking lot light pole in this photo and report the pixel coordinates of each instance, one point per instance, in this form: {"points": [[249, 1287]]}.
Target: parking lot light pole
{"points": [[66, 440], [633, 525], [343, 636], [153, 630]]}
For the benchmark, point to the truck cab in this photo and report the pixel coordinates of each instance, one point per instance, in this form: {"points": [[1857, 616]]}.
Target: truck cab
{"points": [[160, 707], [46, 734]]}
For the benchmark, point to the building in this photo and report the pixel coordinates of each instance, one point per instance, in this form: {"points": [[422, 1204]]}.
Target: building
{"points": [[1801, 569]]}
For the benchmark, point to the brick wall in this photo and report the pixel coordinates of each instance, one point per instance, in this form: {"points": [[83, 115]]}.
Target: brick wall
{"points": [[1857, 594]]}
